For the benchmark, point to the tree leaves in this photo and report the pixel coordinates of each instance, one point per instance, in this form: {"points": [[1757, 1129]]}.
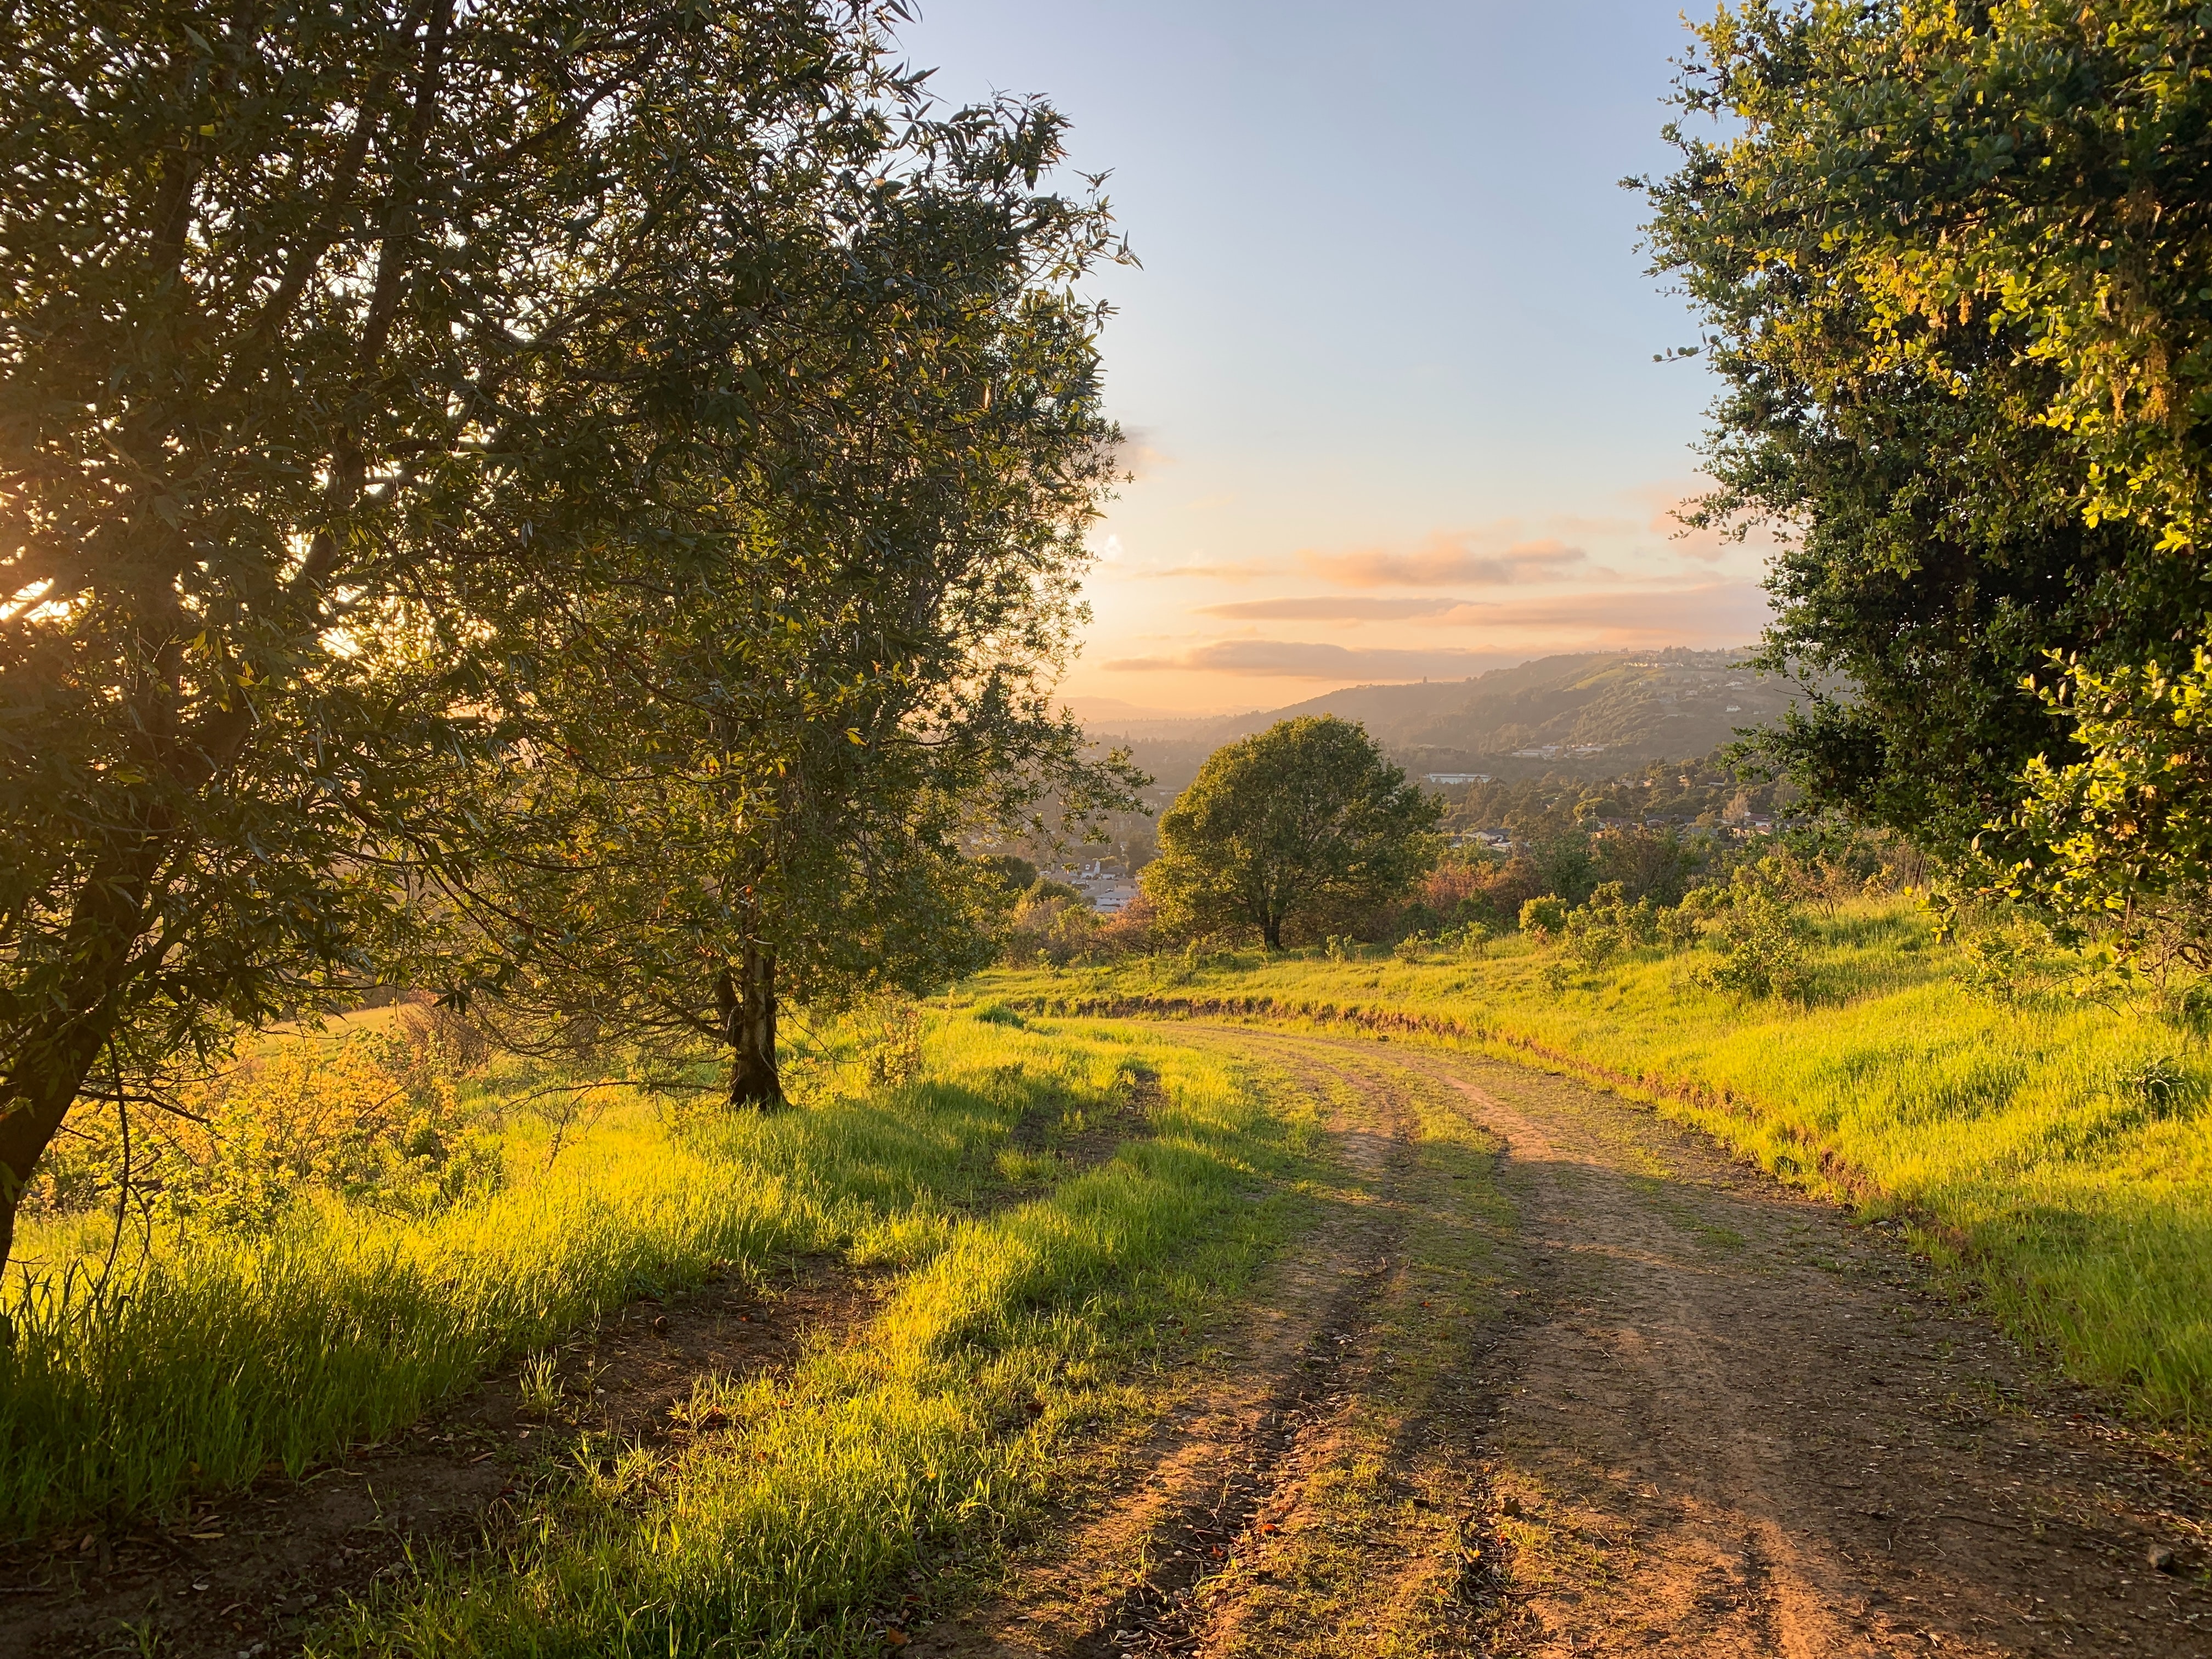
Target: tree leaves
{"points": [[1304, 824], [1951, 259]]}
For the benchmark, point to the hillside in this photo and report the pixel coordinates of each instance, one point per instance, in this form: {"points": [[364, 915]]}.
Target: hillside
{"points": [[1601, 712]]}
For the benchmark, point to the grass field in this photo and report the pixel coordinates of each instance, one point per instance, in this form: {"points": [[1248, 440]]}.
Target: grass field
{"points": [[1030, 1303], [1008, 1338], [2057, 1151], [213, 1352]]}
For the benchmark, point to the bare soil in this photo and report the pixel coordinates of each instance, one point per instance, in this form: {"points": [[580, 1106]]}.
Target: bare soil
{"points": [[1131, 1569], [250, 1573], [1577, 1383], [1708, 1416]]}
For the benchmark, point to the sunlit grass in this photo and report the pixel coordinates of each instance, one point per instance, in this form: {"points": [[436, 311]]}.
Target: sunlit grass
{"points": [[820, 1508], [2024, 1138], [213, 1356]]}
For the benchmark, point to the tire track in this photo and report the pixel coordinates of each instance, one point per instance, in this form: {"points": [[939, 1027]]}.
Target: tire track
{"points": [[1733, 1424], [1136, 1576]]}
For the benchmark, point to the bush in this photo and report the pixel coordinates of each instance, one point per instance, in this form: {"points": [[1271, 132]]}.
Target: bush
{"points": [[889, 1029], [1053, 926], [1544, 916], [1762, 945], [1601, 928], [1467, 890], [1130, 933]]}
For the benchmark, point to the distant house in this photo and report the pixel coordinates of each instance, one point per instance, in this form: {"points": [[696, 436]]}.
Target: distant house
{"points": [[1459, 777], [1553, 751], [1108, 892], [1491, 841]]}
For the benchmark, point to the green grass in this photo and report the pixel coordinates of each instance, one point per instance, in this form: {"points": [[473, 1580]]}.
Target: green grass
{"points": [[817, 1509], [2024, 1138], [217, 1355]]}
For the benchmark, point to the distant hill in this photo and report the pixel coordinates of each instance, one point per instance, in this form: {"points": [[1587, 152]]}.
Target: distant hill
{"points": [[1597, 713]]}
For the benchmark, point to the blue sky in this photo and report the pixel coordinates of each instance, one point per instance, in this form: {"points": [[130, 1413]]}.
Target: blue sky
{"points": [[1387, 368]]}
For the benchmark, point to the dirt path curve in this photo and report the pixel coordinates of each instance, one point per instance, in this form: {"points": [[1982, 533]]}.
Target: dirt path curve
{"points": [[1703, 1416], [1732, 1423]]}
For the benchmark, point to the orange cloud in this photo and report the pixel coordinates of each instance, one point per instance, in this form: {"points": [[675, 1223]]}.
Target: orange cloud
{"points": [[1639, 615], [1242, 571], [1329, 609], [1302, 660], [1446, 558]]}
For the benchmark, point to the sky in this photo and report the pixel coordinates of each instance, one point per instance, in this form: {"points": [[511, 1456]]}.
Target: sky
{"points": [[1386, 371]]}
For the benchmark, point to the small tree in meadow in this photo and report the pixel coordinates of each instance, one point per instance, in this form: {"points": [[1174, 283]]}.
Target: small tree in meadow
{"points": [[1306, 823]]}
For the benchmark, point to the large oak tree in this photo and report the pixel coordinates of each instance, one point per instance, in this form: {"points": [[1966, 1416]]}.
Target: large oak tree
{"points": [[380, 381], [1956, 263], [865, 692]]}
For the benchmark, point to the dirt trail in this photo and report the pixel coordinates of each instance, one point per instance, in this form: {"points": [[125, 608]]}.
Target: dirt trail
{"points": [[1711, 1417], [250, 1573], [1736, 1423], [1140, 1569]]}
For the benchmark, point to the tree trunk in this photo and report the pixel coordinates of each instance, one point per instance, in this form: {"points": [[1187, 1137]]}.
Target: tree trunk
{"points": [[749, 1024], [34, 1110], [1271, 931], [50, 1055]]}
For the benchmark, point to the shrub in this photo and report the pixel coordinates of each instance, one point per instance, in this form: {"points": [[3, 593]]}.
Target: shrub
{"points": [[1467, 890], [889, 1029], [1544, 916], [1599, 929], [1762, 945], [1053, 926], [1131, 933], [1680, 927]]}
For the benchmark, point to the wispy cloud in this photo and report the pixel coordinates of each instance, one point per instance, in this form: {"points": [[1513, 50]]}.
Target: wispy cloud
{"points": [[1298, 659], [1329, 608], [1665, 502], [1636, 614], [1443, 559], [1244, 570]]}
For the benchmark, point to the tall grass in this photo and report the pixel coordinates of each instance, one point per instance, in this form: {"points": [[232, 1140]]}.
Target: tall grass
{"points": [[220, 1353], [797, 1528], [2061, 1150]]}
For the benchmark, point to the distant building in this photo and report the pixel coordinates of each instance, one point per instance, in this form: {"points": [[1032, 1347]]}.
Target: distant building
{"points": [[1553, 751], [1459, 777], [1107, 892], [1493, 840]]}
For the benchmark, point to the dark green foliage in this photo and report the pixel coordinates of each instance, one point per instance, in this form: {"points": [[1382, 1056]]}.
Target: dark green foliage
{"points": [[1306, 825], [1950, 261], [1762, 942], [1608, 923], [1657, 865], [2124, 834], [1544, 916], [444, 449]]}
